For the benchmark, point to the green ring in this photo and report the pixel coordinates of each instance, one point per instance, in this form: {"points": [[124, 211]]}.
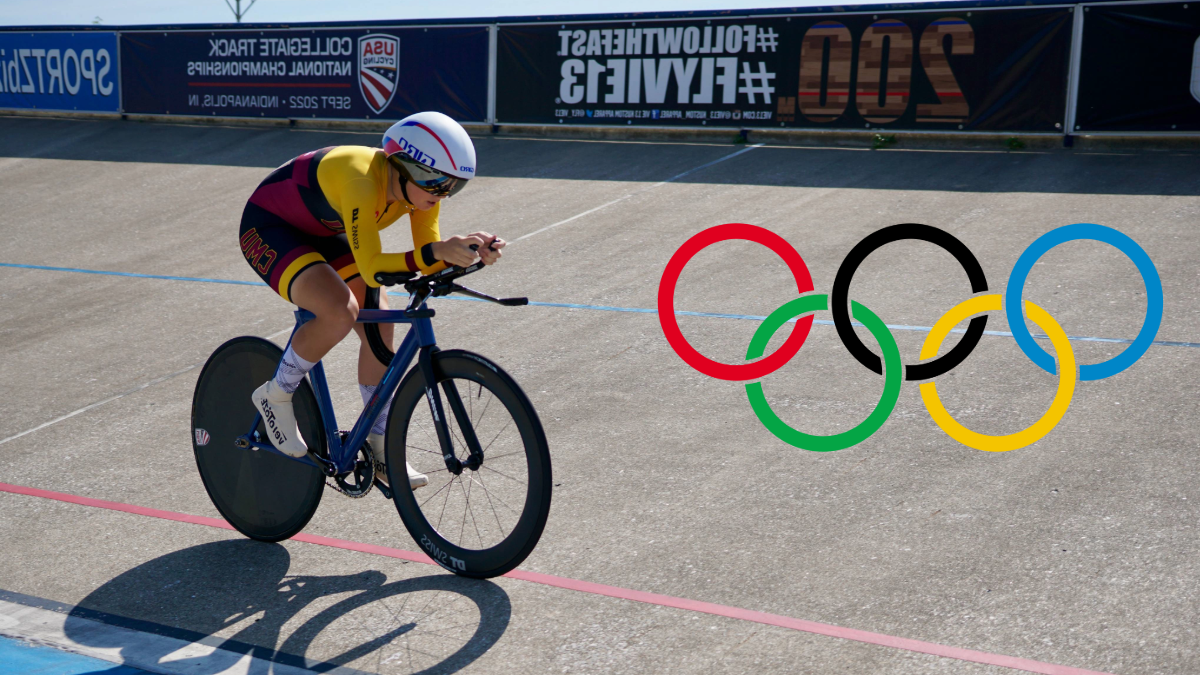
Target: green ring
{"points": [[893, 372]]}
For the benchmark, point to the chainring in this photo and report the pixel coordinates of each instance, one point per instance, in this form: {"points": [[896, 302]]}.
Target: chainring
{"points": [[358, 482]]}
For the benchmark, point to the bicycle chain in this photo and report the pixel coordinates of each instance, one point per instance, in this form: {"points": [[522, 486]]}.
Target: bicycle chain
{"points": [[376, 466], [351, 495]]}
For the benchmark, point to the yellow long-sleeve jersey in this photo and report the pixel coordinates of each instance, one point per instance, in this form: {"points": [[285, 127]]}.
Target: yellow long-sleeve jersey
{"points": [[326, 193]]}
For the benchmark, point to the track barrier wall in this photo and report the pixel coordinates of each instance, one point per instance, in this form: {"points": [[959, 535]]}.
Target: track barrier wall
{"points": [[1140, 68], [363, 73], [994, 70], [59, 70], [1115, 68]]}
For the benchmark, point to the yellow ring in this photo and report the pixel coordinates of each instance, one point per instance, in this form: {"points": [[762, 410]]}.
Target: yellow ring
{"points": [[1058, 407]]}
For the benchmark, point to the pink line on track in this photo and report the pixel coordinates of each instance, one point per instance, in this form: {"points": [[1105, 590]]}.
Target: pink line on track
{"points": [[608, 591]]}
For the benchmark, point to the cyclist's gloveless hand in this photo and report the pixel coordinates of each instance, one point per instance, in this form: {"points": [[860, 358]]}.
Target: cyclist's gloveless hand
{"points": [[457, 249]]}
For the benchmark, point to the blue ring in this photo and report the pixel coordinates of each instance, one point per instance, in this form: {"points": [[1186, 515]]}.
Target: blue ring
{"points": [[1013, 307]]}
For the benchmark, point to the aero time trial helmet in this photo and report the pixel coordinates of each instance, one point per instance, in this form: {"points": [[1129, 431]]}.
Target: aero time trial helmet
{"points": [[431, 151]]}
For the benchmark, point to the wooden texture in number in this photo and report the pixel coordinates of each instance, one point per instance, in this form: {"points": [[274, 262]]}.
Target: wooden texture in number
{"points": [[952, 106], [835, 86], [871, 89]]}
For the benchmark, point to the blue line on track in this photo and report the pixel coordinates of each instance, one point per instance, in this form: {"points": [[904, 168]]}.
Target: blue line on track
{"points": [[134, 274], [601, 308], [22, 657]]}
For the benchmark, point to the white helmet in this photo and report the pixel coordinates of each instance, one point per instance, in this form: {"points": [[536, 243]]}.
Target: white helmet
{"points": [[431, 151]]}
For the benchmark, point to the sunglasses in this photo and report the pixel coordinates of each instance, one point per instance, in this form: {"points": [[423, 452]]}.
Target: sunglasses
{"points": [[430, 180]]}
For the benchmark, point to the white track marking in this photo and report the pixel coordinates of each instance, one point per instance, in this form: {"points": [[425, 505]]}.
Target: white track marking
{"points": [[146, 651], [634, 194], [123, 394]]}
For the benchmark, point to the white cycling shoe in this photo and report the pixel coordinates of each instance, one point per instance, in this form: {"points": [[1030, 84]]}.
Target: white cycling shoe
{"points": [[280, 419], [415, 478]]}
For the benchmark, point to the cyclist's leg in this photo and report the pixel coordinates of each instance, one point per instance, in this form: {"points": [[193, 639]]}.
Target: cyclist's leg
{"points": [[336, 250], [321, 291], [370, 373], [370, 370], [296, 265], [293, 265]]}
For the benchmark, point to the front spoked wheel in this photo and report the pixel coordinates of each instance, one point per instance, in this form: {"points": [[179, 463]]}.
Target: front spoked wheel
{"points": [[483, 521]]}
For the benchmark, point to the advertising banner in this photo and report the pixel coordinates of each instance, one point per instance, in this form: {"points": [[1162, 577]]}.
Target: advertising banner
{"points": [[379, 72], [59, 71], [1002, 69], [1140, 68]]}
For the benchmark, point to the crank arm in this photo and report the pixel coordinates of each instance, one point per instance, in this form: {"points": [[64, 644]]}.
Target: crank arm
{"points": [[326, 467]]}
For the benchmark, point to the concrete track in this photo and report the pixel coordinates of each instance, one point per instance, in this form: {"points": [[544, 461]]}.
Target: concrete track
{"points": [[1079, 550]]}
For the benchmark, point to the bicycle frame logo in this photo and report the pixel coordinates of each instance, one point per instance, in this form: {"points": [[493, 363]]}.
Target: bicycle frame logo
{"points": [[843, 308]]}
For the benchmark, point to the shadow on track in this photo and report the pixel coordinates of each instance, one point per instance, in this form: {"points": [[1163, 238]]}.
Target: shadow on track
{"points": [[1132, 173], [239, 597]]}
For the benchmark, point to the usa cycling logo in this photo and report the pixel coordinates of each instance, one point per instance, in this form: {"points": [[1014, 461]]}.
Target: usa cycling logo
{"points": [[378, 69], [843, 308]]}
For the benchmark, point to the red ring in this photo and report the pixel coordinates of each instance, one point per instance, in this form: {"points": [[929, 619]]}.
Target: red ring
{"points": [[666, 302]]}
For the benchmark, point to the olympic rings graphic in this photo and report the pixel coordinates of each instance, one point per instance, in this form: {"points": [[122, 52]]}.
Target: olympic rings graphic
{"points": [[1154, 297], [841, 287], [1016, 311], [666, 301]]}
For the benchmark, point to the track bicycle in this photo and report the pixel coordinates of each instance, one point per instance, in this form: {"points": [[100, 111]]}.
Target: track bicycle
{"points": [[482, 446]]}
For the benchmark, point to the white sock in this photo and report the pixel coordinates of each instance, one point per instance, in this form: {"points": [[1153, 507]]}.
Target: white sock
{"points": [[367, 391], [291, 370]]}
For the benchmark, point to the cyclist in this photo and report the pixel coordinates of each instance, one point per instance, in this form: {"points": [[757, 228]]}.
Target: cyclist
{"points": [[311, 231]]}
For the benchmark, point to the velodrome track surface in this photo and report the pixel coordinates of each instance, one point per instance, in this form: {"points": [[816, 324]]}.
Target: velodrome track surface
{"points": [[1078, 551]]}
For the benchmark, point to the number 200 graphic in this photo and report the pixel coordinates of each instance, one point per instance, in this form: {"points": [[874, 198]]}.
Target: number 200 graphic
{"points": [[826, 65]]}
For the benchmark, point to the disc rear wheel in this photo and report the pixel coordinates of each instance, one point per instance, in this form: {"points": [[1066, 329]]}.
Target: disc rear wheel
{"points": [[264, 495]]}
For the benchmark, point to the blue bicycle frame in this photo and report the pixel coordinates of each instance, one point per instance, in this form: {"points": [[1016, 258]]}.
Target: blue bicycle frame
{"points": [[342, 454]]}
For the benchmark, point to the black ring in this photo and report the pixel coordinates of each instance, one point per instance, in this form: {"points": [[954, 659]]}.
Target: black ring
{"points": [[839, 301]]}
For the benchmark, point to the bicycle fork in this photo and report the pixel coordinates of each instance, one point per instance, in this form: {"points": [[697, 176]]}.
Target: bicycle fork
{"points": [[445, 438]]}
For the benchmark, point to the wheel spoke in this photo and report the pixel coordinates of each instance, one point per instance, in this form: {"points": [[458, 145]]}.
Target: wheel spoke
{"points": [[485, 407], [467, 495], [495, 515], [432, 436], [492, 458], [436, 492], [475, 523], [488, 492], [497, 434], [415, 447], [501, 473], [444, 503], [456, 435], [471, 402]]}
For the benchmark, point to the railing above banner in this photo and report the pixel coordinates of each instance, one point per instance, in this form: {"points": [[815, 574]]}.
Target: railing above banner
{"points": [[832, 8], [997, 67], [362, 73]]}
